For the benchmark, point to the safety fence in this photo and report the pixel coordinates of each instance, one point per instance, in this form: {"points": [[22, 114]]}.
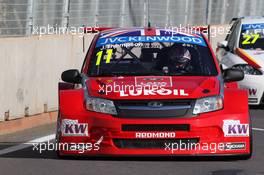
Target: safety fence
{"points": [[21, 17]]}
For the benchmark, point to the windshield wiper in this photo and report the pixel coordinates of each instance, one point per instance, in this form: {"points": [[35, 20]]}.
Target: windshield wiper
{"points": [[131, 74], [108, 74]]}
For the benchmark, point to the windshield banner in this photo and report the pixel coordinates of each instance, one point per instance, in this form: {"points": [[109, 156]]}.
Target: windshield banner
{"points": [[253, 26], [174, 39]]}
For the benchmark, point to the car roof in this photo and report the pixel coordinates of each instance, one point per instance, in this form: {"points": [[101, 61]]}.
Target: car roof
{"points": [[152, 31], [252, 19]]}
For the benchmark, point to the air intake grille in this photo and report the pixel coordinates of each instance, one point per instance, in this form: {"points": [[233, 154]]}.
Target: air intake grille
{"points": [[154, 108], [156, 127], [152, 143]]}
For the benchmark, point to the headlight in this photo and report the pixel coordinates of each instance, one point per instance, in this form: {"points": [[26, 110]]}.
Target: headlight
{"points": [[248, 69], [208, 104], [100, 105]]}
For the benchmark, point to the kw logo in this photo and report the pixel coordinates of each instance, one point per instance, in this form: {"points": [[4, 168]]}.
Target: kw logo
{"points": [[233, 128], [252, 91], [73, 128]]}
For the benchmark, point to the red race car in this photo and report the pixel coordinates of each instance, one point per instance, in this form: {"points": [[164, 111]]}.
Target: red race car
{"points": [[152, 91]]}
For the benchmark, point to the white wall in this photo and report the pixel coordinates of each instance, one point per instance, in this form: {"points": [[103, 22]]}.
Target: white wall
{"points": [[31, 68]]}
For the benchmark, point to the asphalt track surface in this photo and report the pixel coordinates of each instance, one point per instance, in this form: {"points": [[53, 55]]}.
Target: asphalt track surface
{"points": [[16, 160]]}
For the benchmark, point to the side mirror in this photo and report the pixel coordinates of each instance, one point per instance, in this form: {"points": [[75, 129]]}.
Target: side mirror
{"points": [[71, 76], [231, 75], [222, 44]]}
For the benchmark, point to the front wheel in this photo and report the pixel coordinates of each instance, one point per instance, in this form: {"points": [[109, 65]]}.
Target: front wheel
{"points": [[57, 137], [248, 156]]}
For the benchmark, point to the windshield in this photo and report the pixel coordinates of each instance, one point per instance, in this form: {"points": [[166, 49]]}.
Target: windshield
{"points": [[152, 55], [252, 36]]}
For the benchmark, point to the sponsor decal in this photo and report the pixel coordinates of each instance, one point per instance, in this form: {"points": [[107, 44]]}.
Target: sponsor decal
{"points": [[235, 146], [155, 135], [146, 92], [158, 81], [73, 128], [233, 128], [203, 146], [100, 55], [253, 26], [129, 39], [252, 91], [250, 39], [258, 52]]}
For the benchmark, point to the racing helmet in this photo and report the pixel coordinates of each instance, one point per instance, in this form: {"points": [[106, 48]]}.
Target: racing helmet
{"points": [[179, 55]]}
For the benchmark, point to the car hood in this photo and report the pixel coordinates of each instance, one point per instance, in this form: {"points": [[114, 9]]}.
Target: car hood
{"points": [[153, 87], [253, 57]]}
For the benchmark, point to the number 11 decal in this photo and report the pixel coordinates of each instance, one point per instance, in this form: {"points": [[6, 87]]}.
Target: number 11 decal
{"points": [[100, 55]]}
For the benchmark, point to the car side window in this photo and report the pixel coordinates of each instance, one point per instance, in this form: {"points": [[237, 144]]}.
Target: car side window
{"points": [[231, 30], [233, 37]]}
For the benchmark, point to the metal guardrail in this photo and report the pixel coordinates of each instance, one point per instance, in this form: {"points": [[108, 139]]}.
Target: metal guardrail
{"points": [[20, 17]]}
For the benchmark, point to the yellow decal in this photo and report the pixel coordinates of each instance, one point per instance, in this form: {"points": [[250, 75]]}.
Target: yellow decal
{"points": [[99, 56], [108, 57], [247, 38]]}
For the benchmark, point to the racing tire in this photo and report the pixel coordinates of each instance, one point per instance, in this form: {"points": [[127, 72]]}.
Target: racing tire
{"points": [[57, 138], [247, 156]]}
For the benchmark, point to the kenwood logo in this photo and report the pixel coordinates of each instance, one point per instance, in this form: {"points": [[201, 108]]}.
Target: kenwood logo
{"points": [[155, 135]]}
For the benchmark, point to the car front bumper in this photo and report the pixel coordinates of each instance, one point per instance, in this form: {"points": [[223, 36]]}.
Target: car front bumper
{"points": [[109, 135], [254, 84]]}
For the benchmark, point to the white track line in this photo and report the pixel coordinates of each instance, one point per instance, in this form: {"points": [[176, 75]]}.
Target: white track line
{"points": [[27, 144], [258, 129]]}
